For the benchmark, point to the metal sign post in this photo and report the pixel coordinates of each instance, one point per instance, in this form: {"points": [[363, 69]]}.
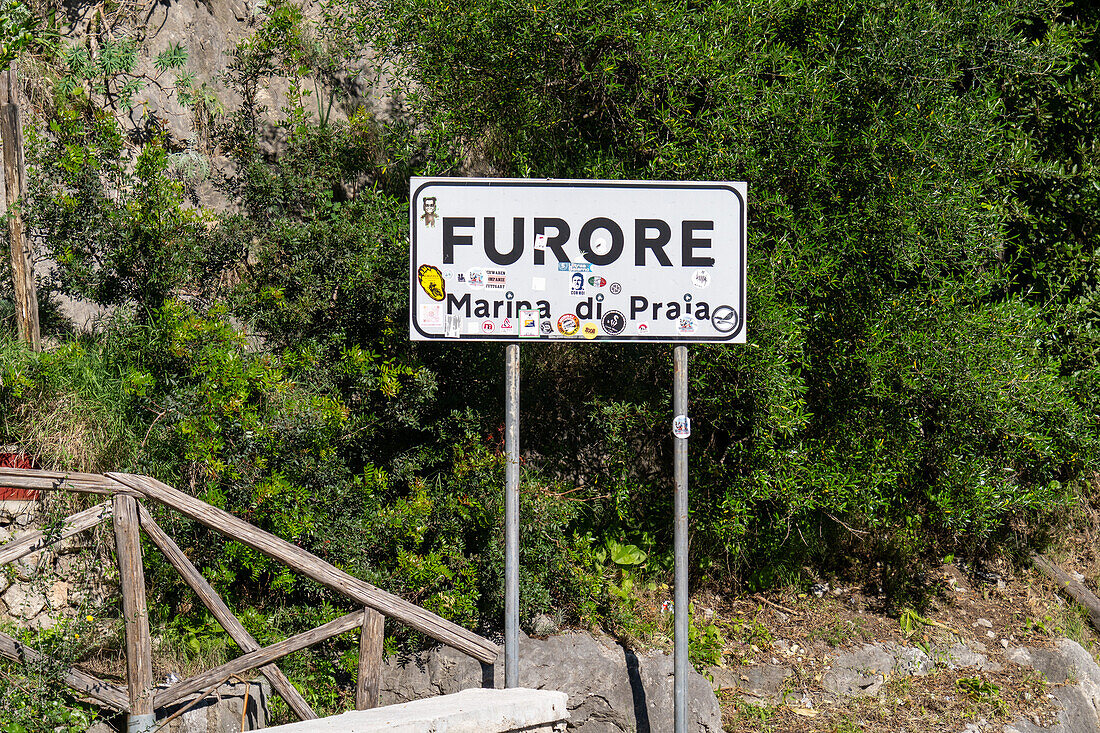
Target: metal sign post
{"points": [[513, 259], [511, 516], [681, 428]]}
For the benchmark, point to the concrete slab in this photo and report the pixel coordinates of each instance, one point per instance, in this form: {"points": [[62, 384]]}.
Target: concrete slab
{"points": [[469, 711]]}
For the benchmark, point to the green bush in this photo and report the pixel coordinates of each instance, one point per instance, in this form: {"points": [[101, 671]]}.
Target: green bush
{"points": [[921, 365]]}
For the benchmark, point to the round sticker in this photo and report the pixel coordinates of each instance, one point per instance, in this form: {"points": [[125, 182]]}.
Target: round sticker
{"points": [[590, 330], [568, 324], [700, 278], [613, 323], [724, 319], [643, 327], [487, 326], [600, 246], [615, 288], [545, 329], [597, 281]]}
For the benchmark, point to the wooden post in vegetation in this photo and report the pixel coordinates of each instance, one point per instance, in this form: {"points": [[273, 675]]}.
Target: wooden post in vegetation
{"points": [[15, 185], [370, 660], [139, 649], [1072, 587]]}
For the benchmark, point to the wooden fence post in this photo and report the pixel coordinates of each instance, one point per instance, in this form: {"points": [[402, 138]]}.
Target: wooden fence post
{"points": [[139, 649], [15, 179], [370, 660]]}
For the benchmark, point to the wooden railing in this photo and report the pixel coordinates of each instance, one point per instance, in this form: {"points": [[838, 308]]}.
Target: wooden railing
{"points": [[129, 516]]}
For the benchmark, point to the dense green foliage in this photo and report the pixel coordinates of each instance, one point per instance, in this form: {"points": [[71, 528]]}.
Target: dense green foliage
{"points": [[923, 354], [17, 26], [902, 376]]}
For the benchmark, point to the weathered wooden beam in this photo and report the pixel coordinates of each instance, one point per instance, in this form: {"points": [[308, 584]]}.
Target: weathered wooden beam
{"points": [[82, 483], [221, 612], [1075, 589], [135, 614], [314, 567], [37, 540], [15, 175], [370, 660], [98, 690], [259, 658]]}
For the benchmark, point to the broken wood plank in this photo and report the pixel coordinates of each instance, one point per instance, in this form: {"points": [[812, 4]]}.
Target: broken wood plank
{"points": [[81, 483], [1075, 589]]}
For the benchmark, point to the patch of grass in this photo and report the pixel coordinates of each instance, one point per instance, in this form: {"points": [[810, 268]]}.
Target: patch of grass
{"points": [[840, 632], [757, 717], [751, 631], [1071, 621], [983, 692], [846, 726]]}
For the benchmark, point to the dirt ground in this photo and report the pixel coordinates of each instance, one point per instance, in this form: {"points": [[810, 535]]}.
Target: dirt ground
{"points": [[997, 608]]}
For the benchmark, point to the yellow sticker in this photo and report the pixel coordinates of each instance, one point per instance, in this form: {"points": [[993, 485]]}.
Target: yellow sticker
{"points": [[590, 330], [431, 279]]}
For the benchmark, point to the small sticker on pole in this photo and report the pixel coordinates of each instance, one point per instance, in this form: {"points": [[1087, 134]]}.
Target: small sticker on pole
{"points": [[681, 426]]}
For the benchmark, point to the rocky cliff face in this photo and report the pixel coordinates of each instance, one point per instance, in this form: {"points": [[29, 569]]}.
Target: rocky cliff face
{"points": [[210, 31]]}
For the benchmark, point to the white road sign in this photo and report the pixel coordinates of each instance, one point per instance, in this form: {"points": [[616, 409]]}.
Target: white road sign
{"points": [[515, 259]]}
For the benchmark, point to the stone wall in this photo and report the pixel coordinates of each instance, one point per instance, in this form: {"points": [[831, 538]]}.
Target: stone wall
{"points": [[63, 580]]}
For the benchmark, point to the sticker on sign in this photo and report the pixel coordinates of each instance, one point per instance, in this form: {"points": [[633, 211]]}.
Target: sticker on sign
{"points": [[635, 261]]}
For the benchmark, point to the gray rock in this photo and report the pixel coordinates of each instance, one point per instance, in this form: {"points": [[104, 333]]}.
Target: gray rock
{"points": [[24, 601], [1076, 680], [610, 689], [26, 568], [911, 662], [722, 678], [860, 673], [544, 625], [969, 655], [765, 680], [761, 681], [219, 712]]}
